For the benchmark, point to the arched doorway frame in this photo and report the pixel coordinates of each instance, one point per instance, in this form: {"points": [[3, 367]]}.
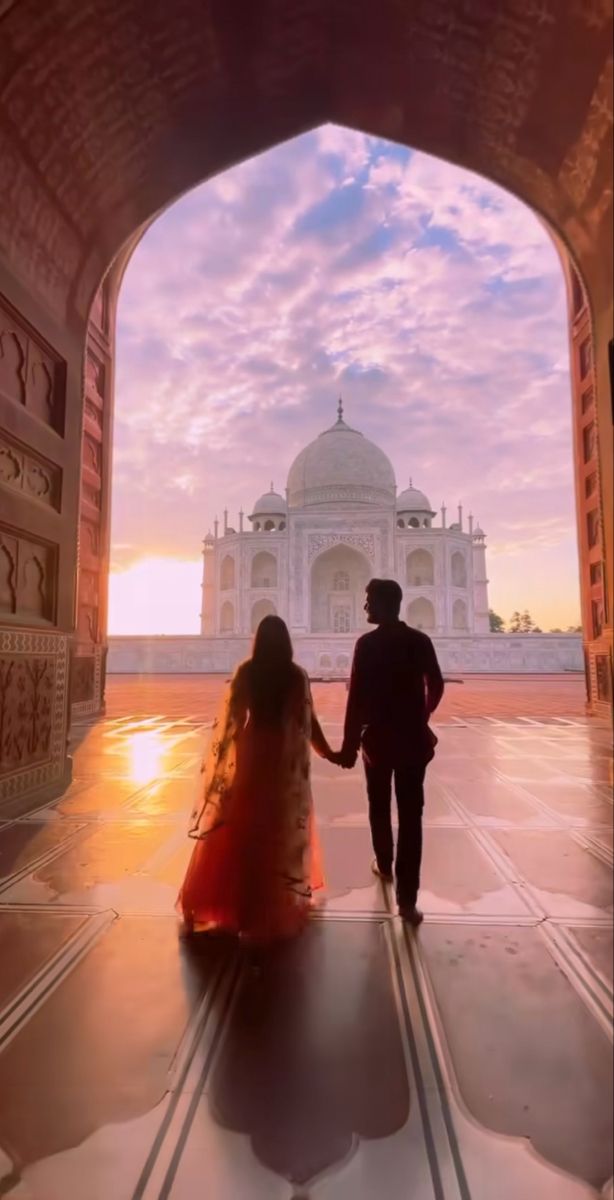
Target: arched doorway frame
{"points": [[380, 71], [343, 593]]}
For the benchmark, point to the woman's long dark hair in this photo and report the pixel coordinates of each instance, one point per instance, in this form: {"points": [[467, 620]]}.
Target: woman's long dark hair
{"points": [[271, 669]]}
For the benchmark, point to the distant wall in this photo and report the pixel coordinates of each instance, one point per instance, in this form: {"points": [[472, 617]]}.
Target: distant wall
{"points": [[494, 653]]}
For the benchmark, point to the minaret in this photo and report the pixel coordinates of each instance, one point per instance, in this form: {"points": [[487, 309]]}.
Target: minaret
{"points": [[481, 623], [460, 517], [443, 515], [207, 616]]}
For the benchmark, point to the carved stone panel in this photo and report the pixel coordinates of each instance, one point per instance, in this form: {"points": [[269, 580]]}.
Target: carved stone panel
{"points": [[82, 672], [364, 542], [29, 473], [89, 541], [28, 577], [92, 456], [94, 375], [33, 682], [30, 374]]}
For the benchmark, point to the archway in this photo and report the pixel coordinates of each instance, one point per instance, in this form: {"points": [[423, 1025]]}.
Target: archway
{"points": [[264, 570], [227, 617], [149, 149], [262, 608], [458, 569], [459, 616], [337, 585], [227, 573], [419, 568], [421, 614]]}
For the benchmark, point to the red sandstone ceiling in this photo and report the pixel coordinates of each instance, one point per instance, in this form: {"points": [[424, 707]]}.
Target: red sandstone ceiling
{"points": [[109, 109]]}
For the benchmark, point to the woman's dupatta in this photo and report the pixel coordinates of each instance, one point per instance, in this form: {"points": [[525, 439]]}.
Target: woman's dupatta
{"points": [[220, 763]]}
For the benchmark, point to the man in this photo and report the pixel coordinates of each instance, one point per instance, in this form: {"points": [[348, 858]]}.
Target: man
{"points": [[395, 685]]}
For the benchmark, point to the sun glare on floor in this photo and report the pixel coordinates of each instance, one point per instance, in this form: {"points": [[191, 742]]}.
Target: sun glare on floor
{"points": [[146, 751]]}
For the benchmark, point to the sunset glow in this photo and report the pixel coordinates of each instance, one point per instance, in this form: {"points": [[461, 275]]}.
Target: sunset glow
{"points": [[339, 263], [155, 595]]}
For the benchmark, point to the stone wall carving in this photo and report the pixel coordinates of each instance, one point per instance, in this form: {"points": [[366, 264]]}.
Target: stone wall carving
{"points": [[29, 473], [28, 576], [33, 684], [91, 495], [87, 682], [82, 671], [30, 375], [318, 542]]}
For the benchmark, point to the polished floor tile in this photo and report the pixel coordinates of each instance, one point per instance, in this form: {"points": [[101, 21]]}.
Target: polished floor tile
{"points": [[469, 1061]]}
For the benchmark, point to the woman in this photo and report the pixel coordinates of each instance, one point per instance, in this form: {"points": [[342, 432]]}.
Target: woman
{"points": [[257, 860]]}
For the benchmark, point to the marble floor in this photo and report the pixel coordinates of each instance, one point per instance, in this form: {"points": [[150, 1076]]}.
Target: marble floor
{"points": [[469, 1061]]}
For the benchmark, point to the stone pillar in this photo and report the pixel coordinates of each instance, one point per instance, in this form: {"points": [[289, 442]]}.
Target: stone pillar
{"points": [[207, 616], [90, 640], [481, 623]]}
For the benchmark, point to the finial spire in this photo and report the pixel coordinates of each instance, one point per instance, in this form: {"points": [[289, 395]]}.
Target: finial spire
{"points": [[271, 489], [411, 482], [340, 410]]}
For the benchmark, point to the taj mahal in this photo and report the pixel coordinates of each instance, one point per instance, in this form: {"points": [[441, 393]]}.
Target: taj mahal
{"points": [[309, 554]]}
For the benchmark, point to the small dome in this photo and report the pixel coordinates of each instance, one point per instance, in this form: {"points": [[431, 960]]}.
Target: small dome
{"points": [[270, 502], [340, 467], [413, 500]]}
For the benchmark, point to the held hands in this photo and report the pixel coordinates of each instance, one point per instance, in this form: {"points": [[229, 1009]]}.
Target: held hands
{"points": [[343, 758]]}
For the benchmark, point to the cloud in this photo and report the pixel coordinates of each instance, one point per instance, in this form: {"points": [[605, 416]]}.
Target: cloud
{"points": [[431, 298]]}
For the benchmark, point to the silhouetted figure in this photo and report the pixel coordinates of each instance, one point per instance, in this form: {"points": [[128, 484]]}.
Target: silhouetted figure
{"points": [[395, 685], [257, 860]]}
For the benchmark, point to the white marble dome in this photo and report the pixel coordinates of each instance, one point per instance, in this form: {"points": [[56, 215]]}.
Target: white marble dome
{"points": [[413, 500], [341, 467], [270, 502]]}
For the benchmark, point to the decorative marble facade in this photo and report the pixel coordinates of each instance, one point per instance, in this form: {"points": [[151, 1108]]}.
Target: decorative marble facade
{"points": [[308, 556]]}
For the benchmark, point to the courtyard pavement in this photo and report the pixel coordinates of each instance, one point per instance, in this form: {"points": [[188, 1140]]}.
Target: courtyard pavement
{"points": [[469, 1061]]}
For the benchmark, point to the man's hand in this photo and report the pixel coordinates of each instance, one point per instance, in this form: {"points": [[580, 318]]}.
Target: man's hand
{"points": [[341, 758]]}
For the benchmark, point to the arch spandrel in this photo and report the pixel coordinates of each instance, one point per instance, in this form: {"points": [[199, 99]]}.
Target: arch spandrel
{"points": [[170, 99]]}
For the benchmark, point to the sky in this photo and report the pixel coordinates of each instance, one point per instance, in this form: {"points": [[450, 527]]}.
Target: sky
{"points": [[340, 264]]}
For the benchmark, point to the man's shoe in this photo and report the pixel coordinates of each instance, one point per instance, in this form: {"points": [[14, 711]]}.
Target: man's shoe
{"points": [[411, 915], [385, 876]]}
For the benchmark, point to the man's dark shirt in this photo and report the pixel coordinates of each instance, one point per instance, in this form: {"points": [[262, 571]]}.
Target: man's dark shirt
{"points": [[395, 685]]}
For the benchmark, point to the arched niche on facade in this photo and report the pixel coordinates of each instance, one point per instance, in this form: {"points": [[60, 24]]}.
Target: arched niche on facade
{"points": [[227, 617], [458, 569], [459, 615], [227, 573], [420, 570], [421, 614], [260, 610], [264, 570], [334, 608]]}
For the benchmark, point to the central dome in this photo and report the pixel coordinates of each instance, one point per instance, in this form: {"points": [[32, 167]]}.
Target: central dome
{"points": [[341, 467]]}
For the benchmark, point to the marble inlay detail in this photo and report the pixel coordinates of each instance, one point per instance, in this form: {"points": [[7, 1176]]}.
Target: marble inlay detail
{"points": [[33, 695]]}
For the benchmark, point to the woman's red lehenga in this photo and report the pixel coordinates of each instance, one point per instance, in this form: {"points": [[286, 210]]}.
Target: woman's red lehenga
{"points": [[257, 862]]}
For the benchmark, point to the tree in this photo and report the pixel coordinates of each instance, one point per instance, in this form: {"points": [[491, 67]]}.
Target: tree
{"points": [[496, 623], [515, 622], [522, 622]]}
